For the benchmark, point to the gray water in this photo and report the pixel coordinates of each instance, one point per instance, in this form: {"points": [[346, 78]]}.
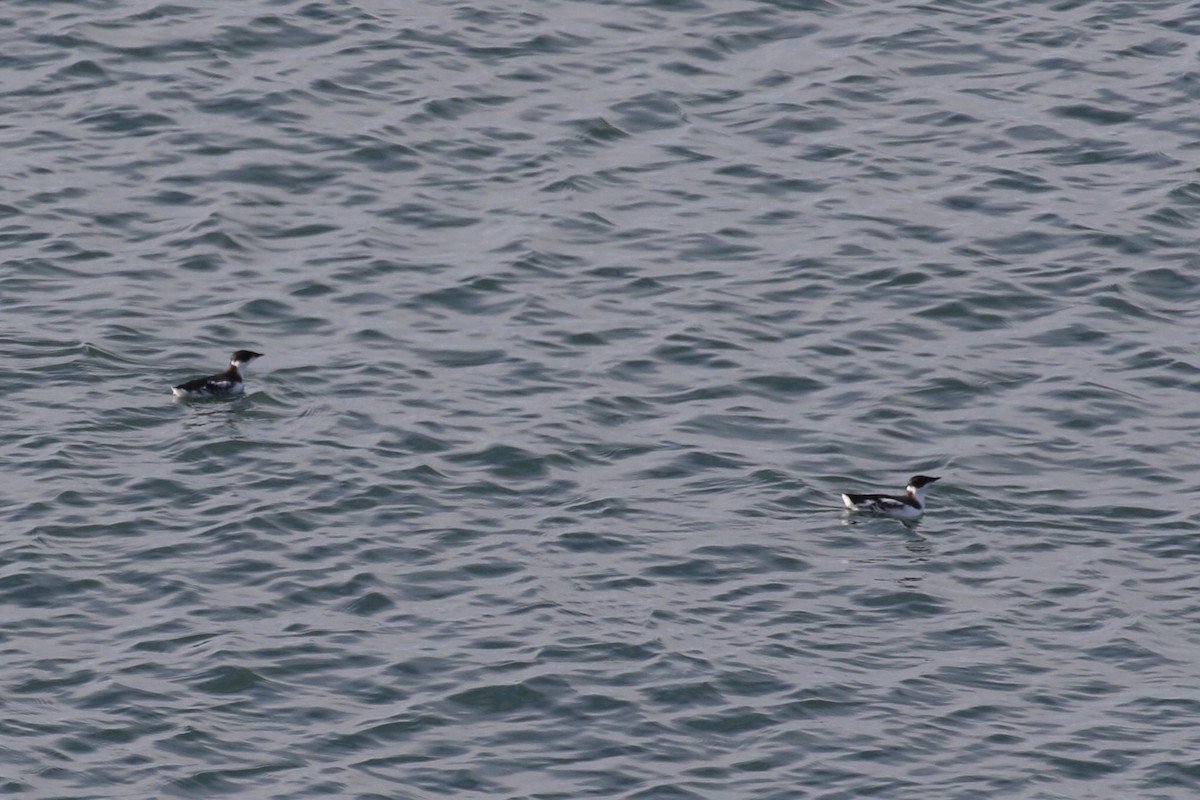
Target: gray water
{"points": [[577, 319]]}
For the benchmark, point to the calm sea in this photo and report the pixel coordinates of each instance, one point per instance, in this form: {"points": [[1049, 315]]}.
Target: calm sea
{"points": [[577, 318]]}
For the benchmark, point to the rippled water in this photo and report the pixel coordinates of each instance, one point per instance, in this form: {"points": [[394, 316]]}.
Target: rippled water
{"points": [[577, 318]]}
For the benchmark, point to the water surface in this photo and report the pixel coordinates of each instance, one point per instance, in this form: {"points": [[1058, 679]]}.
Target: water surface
{"points": [[577, 318]]}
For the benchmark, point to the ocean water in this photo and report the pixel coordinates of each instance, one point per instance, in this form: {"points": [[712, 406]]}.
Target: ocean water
{"points": [[577, 318]]}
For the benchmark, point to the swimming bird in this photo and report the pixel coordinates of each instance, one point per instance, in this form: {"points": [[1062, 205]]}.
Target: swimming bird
{"points": [[906, 506], [222, 384]]}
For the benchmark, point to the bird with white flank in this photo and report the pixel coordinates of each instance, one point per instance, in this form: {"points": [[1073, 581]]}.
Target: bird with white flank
{"points": [[222, 384], [905, 506]]}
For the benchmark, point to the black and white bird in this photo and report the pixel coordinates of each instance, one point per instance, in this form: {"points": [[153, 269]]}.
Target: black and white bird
{"points": [[905, 506], [222, 384]]}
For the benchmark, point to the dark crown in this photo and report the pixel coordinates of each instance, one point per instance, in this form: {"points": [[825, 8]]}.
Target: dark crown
{"points": [[245, 356]]}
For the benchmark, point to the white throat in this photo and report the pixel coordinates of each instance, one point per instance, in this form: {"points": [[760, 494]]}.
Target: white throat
{"points": [[917, 494]]}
